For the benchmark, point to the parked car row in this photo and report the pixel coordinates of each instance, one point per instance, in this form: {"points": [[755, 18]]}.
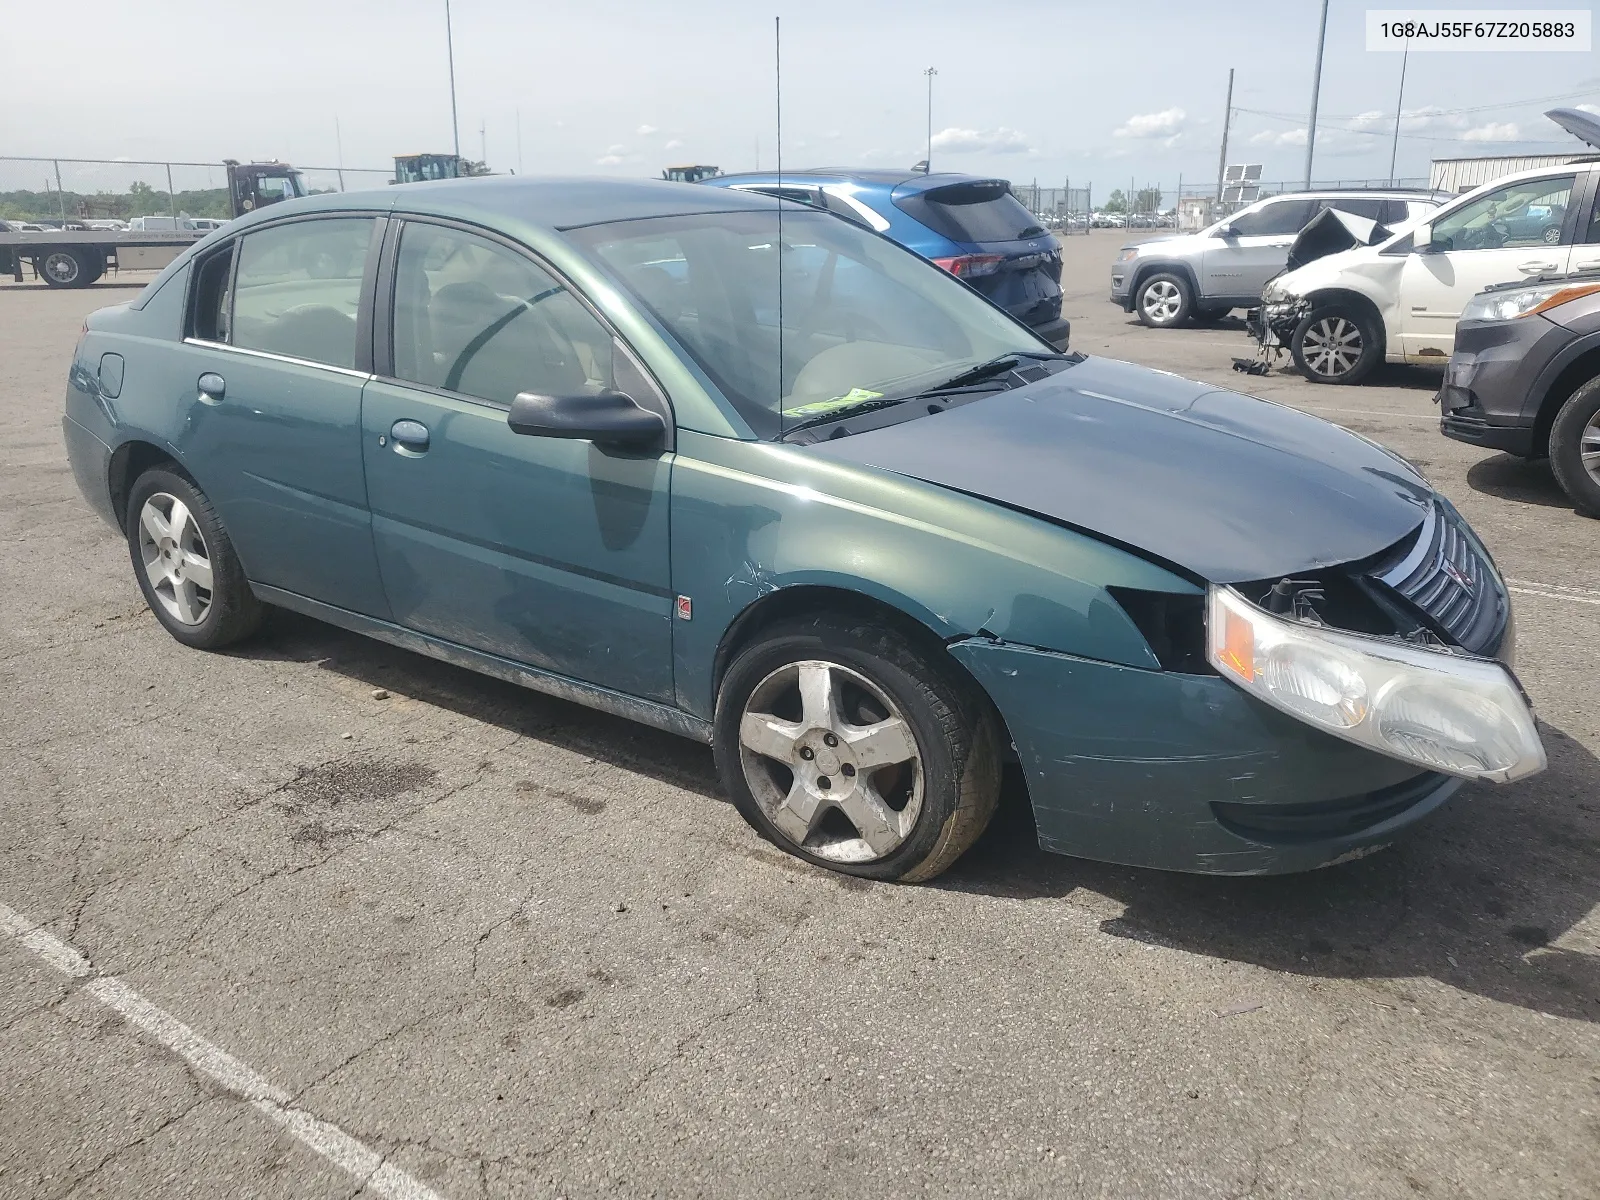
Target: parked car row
{"points": [[734, 467]]}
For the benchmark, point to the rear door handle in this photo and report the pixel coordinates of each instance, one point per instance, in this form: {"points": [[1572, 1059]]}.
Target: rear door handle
{"points": [[212, 387], [410, 437]]}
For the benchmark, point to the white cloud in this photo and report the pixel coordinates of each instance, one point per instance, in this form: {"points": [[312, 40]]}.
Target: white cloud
{"points": [[646, 130], [1168, 123], [674, 144], [1590, 108], [985, 141], [1494, 131], [610, 160], [616, 149], [1279, 137], [833, 135]]}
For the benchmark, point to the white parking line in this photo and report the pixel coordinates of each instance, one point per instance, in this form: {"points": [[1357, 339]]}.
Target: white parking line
{"points": [[327, 1139], [1554, 591]]}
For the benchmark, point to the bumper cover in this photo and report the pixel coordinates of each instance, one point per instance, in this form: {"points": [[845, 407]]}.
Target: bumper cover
{"points": [[1488, 395], [1186, 772]]}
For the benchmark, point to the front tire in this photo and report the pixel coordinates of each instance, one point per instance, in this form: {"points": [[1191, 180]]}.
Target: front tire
{"points": [[1336, 343], [1164, 301], [1575, 448], [185, 563], [847, 746]]}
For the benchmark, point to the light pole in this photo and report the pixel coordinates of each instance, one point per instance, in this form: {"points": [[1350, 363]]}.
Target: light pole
{"points": [[450, 50], [927, 165], [1394, 146], [1316, 88]]}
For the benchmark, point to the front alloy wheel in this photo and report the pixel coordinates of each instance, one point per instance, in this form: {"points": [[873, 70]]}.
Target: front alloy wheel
{"points": [[1335, 344], [831, 761], [857, 746], [1164, 301]]}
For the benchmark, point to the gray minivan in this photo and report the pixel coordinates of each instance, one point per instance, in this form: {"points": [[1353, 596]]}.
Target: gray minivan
{"points": [[1169, 280]]}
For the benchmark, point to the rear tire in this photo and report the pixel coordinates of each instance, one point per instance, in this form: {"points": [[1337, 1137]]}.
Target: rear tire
{"points": [[185, 563], [846, 745], [62, 268], [1164, 300], [1336, 343], [1575, 448]]}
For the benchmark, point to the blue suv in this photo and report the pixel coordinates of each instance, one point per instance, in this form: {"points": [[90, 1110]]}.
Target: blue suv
{"points": [[972, 227]]}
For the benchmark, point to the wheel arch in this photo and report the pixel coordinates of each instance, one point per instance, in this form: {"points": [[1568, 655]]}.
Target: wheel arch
{"points": [[1357, 300], [1143, 271], [1568, 379], [129, 461], [798, 599]]}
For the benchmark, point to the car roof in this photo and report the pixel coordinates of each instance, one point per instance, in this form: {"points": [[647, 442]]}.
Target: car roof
{"points": [[550, 202], [881, 177]]}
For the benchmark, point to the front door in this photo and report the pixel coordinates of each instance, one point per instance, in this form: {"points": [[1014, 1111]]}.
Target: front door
{"points": [[1237, 264], [545, 551], [1516, 232], [274, 405]]}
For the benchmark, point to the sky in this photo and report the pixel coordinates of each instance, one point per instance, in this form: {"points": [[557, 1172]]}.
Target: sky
{"points": [[1101, 94]]}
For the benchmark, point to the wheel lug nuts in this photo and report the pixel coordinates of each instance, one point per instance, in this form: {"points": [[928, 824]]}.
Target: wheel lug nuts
{"points": [[848, 770], [829, 740], [807, 753], [824, 783]]}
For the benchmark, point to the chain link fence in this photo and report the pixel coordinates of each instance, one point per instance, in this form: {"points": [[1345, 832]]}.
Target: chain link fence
{"points": [[1061, 208], [52, 190], [1200, 204]]}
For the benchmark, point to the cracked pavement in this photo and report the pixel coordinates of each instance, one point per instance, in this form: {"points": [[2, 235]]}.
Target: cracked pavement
{"points": [[522, 949]]}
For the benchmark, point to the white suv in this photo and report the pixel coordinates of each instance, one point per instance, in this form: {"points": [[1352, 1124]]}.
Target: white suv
{"points": [[1398, 301]]}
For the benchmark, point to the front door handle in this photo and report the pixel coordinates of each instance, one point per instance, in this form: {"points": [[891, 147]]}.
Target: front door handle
{"points": [[410, 437], [1536, 268], [212, 387]]}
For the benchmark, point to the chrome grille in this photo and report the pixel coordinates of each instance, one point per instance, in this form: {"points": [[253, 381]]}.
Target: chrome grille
{"points": [[1444, 575]]}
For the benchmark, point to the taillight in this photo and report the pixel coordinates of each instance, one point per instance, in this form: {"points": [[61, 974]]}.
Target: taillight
{"points": [[967, 265]]}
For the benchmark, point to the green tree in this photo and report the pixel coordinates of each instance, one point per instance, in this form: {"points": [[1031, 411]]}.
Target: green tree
{"points": [[1148, 200], [1116, 202]]}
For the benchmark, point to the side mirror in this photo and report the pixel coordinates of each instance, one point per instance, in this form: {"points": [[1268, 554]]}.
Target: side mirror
{"points": [[607, 419], [1422, 238], [1227, 230]]}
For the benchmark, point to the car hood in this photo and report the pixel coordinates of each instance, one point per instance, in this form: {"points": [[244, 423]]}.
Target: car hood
{"points": [[1174, 243], [1226, 486]]}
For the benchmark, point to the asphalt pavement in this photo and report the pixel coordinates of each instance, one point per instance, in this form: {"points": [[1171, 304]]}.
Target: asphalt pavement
{"points": [[320, 918]]}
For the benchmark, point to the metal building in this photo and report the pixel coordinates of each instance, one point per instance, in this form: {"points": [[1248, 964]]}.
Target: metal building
{"points": [[1464, 174]]}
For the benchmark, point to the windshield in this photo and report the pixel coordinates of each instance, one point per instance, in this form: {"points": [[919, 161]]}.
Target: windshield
{"points": [[859, 319]]}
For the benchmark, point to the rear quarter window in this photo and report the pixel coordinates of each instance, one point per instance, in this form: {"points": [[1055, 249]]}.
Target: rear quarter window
{"points": [[973, 212]]}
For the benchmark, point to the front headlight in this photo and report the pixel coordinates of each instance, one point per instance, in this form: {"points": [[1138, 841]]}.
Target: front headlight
{"points": [[1523, 302], [1128, 254], [1446, 712]]}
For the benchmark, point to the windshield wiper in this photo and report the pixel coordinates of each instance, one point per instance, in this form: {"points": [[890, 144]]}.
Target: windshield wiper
{"points": [[840, 413], [988, 370]]}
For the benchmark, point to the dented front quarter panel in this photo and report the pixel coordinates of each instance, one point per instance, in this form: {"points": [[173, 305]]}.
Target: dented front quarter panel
{"points": [[1366, 271], [1124, 764], [751, 518]]}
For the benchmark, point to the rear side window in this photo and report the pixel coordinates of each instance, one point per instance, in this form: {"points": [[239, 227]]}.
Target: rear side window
{"points": [[1371, 209], [1277, 218], [297, 289], [984, 211]]}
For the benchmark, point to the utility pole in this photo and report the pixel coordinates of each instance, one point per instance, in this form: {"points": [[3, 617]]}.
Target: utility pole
{"points": [[519, 141], [1227, 118], [450, 51], [1394, 146], [1316, 88], [338, 141], [928, 162], [483, 142]]}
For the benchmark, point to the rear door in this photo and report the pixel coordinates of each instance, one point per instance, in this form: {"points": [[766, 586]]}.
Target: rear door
{"points": [[1253, 248], [1519, 231], [282, 325], [1586, 248]]}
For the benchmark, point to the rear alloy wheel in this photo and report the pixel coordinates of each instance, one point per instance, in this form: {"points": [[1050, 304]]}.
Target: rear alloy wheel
{"points": [[1575, 448], [1164, 301], [64, 268], [844, 745], [185, 563], [1336, 344]]}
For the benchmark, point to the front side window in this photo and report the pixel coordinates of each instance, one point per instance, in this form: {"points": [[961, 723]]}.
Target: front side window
{"points": [[297, 289], [476, 317], [858, 317], [1276, 219], [1529, 213]]}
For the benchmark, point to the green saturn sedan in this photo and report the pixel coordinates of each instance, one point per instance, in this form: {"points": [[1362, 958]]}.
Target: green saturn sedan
{"points": [[751, 473]]}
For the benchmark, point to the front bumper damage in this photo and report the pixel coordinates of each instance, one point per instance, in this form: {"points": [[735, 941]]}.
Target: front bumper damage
{"points": [[1271, 326], [1186, 772]]}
